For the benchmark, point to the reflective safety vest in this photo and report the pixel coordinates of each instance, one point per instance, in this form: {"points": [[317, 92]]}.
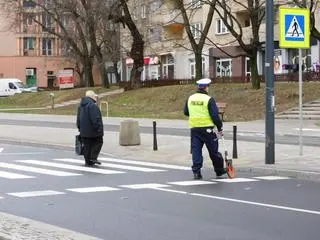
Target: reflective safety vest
{"points": [[199, 115]]}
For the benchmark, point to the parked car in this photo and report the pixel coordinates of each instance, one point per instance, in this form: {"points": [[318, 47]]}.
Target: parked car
{"points": [[12, 86]]}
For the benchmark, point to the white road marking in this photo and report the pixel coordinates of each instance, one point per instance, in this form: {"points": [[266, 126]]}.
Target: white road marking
{"points": [[169, 190], [144, 186], [1, 150], [10, 175], [235, 180], [118, 166], [70, 167], [308, 129], [25, 153], [37, 170], [149, 164], [271, 178], [92, 189], [257, 204], [191, 183], [35, 193]]}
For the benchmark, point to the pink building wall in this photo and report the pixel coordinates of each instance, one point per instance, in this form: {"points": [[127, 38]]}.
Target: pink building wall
{"points": [[15, 67]]}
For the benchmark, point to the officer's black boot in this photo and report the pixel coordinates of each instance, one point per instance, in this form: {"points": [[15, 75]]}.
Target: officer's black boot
{"points": [[197, 175], [220, 173]]}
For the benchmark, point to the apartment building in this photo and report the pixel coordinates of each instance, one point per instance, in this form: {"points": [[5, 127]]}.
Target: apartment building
{"points": [[168, 52], [29, 52]]}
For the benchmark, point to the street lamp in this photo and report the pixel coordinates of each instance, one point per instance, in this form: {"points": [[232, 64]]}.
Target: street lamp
{"points": [[269, 84]]}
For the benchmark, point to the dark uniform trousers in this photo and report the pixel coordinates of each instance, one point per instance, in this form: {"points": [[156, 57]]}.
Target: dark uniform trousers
{"points": [[92, 148], [199, 137]]}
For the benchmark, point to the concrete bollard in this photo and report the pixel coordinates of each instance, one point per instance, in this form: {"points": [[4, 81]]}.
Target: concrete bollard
{"points": [[129, 133]]}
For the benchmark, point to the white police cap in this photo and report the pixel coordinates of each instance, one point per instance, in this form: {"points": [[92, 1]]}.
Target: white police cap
{"points": [[204, 82]]}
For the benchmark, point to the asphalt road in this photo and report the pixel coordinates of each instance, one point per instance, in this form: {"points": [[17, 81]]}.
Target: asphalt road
{"points": [[145, 200], [241, 136]]}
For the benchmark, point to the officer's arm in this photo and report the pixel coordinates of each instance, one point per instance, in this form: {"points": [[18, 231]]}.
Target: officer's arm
{"points": [[214, 113], [186, 110]]}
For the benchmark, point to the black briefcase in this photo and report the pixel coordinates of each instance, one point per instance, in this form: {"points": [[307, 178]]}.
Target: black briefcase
{"points": [[78, 145]]}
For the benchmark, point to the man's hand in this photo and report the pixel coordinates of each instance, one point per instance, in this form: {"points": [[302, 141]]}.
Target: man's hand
{"points": [[220, 134]]}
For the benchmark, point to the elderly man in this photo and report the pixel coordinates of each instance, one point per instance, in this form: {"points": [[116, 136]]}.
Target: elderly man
{"points": [[90, 125], [203, 118]]}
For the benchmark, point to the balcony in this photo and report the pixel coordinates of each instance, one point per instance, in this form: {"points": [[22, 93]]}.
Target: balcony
{"points": [[171, 4], [29, 52], [174, 27]]}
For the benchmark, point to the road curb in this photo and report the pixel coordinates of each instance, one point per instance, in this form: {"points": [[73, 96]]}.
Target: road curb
{"points": [[303, 175], [44, 145]]}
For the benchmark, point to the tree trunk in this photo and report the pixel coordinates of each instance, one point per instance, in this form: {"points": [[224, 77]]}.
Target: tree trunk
{"points": [[255, 79], [88, 65], [116, 73], [198, 59], [104, 76], [137, 56]]}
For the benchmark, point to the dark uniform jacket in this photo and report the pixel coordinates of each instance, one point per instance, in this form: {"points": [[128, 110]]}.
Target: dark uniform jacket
{"points": [[213, 111], [89, 119]]}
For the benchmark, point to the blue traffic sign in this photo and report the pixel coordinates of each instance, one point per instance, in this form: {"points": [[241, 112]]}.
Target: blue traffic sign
{"points": [[294, 28]]}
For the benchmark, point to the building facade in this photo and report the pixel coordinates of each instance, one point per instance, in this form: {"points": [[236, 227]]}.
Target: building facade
{"points": [[29, 52], [168, 53]]}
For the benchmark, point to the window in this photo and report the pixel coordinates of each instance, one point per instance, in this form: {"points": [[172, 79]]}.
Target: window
{"points": [[65, 48], [65, 20], [195, 3], [47, 22], [27, 19], [155, 5], [193, 67], [196, 30], [224, 67], [155, 34], [221, 27], [47, 46], [29, 3], [248, 67], [28, 43], [143, 11]]}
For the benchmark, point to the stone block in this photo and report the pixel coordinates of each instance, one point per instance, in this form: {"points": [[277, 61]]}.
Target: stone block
{"points": [[129, 133]]}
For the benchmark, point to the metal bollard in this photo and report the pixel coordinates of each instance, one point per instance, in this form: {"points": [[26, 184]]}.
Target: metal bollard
{"points": [[235, 149], [107, 106], [52, 100], [155, 143]]}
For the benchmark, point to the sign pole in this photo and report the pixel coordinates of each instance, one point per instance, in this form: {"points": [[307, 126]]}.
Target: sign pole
{"points": [[269, 79], [300, 101], [295, 33]]}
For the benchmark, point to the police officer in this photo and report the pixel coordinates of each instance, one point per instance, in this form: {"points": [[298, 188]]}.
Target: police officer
{"points": [[203, 118]]}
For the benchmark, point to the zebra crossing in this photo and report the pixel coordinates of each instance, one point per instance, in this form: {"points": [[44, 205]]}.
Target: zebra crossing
{"points": [[167, 186], [68, 167], [73, 167]]}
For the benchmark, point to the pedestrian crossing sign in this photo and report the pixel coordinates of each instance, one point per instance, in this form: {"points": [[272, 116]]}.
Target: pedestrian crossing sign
{"points": [[294, 28]]}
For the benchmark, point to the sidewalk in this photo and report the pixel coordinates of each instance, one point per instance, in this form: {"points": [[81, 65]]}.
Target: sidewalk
{"points": [[176, 149], [18, 228]]}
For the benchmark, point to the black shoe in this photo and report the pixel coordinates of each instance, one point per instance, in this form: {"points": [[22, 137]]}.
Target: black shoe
{"points": [[197, 176], [89, 163], [95, 161], [220, 173]]}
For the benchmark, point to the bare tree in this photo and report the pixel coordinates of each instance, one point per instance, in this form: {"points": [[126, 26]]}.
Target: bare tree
{"points": [[137, 46], [76, 23], [255, 12], [313, 6], [197, 47]]}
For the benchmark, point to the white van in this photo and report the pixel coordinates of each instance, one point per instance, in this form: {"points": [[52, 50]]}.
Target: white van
{"points": [[12, 86]]}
